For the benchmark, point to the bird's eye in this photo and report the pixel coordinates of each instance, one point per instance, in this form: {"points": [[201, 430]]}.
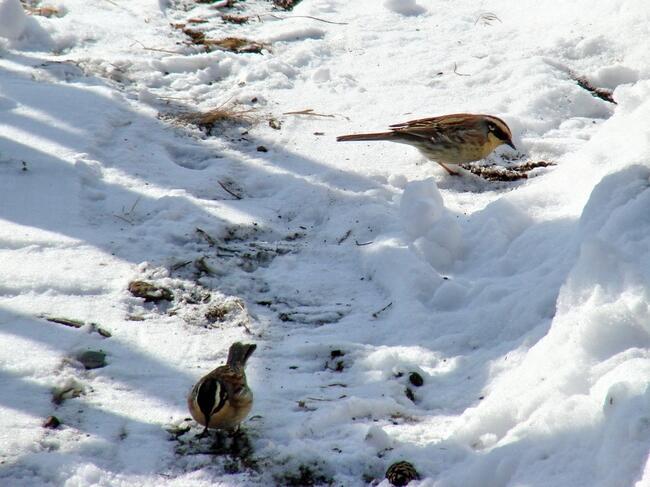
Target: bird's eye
{"points": [[491, 127]]}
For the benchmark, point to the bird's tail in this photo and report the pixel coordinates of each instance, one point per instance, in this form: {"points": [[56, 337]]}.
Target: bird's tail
{"points": [[239, 354], [374, 136]]}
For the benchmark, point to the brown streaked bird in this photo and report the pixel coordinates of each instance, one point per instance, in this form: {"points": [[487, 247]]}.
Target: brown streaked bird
{"points": [[449, 139], [222, 398]]}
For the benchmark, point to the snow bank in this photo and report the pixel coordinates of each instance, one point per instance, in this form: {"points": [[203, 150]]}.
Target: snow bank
{"points": [[583, 388], [22, 31], [436, 234], [13, 19]]}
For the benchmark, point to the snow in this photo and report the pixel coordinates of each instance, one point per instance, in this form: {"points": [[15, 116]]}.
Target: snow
{"points": [[404, 7], [14, 19], [524, 306]]}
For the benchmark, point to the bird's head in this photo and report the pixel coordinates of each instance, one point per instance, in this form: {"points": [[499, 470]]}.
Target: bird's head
{"points": [[498, 132]]}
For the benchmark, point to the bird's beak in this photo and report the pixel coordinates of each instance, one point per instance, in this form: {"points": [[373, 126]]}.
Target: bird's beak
{"points": [[509, 142]]}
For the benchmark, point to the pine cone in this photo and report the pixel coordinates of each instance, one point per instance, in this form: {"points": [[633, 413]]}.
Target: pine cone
{"points": [[401, 473]]}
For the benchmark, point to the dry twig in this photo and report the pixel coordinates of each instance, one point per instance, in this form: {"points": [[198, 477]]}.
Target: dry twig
{"points": [[225, 188], [309, 111], [344, 237], [77, 324], [602, 93], [377, 313], [208, 238]]}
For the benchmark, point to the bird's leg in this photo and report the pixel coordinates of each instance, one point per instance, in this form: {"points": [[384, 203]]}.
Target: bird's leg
{"points": [[220, 445], [451, 173], [241, 445], [204, 433]]}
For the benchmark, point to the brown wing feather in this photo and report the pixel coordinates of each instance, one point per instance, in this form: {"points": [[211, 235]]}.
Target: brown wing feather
{"points": [[432, 121], [438, 129]]}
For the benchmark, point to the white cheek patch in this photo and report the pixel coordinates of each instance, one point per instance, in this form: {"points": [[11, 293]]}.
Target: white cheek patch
{"points": [[220, 398]]}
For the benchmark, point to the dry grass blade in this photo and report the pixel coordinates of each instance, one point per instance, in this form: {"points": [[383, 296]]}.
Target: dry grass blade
{"points": [[220, 115], [302, 17], [487, 18]]}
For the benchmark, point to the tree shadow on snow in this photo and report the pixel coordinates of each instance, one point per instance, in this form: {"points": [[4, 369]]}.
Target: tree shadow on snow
{"points": [[81, 412]]}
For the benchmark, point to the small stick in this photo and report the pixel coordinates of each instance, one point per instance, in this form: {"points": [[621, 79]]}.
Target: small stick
{"points": [[211, 241], [229, 191], [308, 111], [302, 17], [123, 218], [377, 313], [65, 321], [180, 265], [362, 243], [245, 327], [344, 237], [76, 324]]}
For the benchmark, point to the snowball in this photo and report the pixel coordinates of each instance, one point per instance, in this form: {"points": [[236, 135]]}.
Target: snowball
{"points": [[404, 7], [13, 19]]}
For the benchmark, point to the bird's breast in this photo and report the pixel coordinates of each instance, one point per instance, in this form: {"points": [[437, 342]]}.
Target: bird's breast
{"points": [[230, 415]]}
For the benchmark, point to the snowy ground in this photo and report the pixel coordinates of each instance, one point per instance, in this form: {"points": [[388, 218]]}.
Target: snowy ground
{"points": [[523, 305]]}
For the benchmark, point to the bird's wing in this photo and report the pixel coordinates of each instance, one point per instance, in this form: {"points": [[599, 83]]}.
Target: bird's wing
{"points": [[438, 129], [420, 122], [429, 128]]}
